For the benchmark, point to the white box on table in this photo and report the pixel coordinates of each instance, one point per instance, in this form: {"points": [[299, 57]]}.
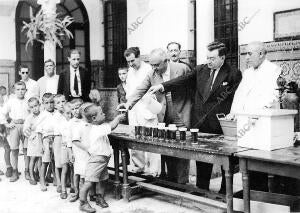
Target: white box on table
{"points": [[266, 129]]}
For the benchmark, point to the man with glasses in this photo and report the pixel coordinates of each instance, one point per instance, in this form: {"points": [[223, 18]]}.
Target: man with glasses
{"points": [[214, 84], [176, 106], [49, 82], [31, 85]]}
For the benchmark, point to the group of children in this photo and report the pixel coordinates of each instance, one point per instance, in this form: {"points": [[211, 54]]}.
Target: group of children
{"points": [[68, 138]]}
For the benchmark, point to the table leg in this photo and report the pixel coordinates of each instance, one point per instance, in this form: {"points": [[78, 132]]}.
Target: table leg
{"points": [[117, 183], [125, 187], [229, 188], [246, 186]]}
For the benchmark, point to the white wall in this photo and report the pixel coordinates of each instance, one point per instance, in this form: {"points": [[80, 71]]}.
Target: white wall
{"points": [[165, 21], [205, 28], [95, 13], [7, 26], [260, 27]]}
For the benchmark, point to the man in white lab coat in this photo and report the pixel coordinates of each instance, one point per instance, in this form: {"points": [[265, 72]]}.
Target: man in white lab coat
{"points": [[257, 90]]}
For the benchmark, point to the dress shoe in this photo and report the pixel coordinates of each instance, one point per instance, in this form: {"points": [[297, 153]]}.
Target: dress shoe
{"points": [[14, 177], [9, 172], [86, 207], [101, 202], [27, 175]]}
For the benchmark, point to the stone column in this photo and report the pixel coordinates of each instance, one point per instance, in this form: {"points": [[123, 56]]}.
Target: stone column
{"points": [[49, 10]]}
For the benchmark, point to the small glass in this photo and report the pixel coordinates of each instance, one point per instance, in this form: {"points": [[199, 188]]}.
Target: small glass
{"points": [[154, 132], [182, 134], [161, 133], [137, 130], [143, 131], [194, 133], [172, 133]]}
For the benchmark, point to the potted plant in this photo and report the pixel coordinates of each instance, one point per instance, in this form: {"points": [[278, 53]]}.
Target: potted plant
{"points": [[52, 29]]}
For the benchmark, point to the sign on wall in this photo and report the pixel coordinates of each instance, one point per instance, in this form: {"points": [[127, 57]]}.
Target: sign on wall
{"points": [[287, 24]]}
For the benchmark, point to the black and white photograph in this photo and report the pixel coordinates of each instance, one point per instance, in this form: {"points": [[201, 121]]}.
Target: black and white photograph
{"points": [[149, 106]]}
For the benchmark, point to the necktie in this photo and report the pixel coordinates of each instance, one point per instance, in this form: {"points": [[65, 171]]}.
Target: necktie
{"points": [[75, 83], [209, 84]]}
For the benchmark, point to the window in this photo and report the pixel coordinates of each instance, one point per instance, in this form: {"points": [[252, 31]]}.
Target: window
{"points": [[115, 28], [225, 25], [34, 56]]}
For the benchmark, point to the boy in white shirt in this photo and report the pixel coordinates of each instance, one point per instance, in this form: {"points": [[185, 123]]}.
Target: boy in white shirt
{"points": [[63, 133], [46, 135], [80, 156], [99, 154], [59, 102], [16, 110], [34, 149]]}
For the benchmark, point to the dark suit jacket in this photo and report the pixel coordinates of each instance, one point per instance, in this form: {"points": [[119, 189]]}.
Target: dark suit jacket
{"points": [[219, 99], [64, 83], [121, 94], [181, 98]]}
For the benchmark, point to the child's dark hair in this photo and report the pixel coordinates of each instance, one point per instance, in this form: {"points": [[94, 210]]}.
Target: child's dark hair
{"points": [[47, 95]]}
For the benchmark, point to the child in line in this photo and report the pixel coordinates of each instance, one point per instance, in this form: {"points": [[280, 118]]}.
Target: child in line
{"points": [[5, 145], [99, 154], [80, 157], [16, 110], [34, 149], [59, 102], [63, 134], [45, 131], [3, 133]]}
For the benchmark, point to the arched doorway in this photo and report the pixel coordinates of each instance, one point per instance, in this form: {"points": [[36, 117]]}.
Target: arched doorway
{"points": [[34, 55]]}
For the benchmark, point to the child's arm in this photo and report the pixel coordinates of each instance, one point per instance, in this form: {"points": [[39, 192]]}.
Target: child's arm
{"points": [[70, 151], [40, 139], [114, 123]]}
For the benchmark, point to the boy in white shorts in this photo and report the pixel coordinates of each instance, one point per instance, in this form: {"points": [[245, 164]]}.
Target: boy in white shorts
{"points": [[45, 131], [34, 149], [99, 154], [80, 157], [63, 134], [59, 102], [16, 110]]}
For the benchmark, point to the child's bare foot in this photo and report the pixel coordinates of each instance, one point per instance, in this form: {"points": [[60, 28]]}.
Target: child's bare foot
{"points": [[74, 197], [43, 188]]}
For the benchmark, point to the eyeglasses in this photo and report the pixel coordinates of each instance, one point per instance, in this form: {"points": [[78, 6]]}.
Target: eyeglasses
{"points": [[24, 73]]}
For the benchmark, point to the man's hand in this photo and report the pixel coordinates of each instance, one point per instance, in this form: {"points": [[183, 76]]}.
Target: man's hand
{"points": [[124, 106], [156, 88]]}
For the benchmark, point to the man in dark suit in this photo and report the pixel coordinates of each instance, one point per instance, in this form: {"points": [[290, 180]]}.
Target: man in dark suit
{"points": [[214, 84], [176, 106], [74, 81]]}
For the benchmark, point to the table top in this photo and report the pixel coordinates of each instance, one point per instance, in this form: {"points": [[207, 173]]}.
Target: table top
{"points": [[289, 155], [209, 143]]}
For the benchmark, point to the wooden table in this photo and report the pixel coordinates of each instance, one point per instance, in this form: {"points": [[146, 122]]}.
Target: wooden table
{"points": [[283, 162], [211, 149]]}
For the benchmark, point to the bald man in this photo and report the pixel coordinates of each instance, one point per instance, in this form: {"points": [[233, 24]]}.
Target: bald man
{"points": [[258, 88], [176, 105]]}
